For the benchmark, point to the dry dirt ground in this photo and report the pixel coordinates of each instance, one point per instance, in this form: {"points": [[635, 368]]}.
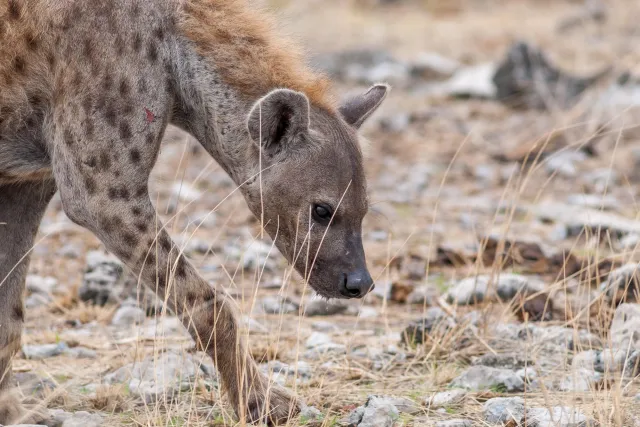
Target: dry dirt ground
{"points": [[444, 175]]}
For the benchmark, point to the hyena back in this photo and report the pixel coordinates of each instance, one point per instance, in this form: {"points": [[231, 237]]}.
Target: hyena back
{"points": [[86, 91]]}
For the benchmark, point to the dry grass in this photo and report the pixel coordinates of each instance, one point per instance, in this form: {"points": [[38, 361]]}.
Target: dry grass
{"points": [[341, 382]]}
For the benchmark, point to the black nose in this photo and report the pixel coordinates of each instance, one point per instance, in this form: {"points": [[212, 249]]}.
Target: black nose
{"points": [[357, 284]]}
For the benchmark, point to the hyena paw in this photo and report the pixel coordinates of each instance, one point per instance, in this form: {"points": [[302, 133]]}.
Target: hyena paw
{"points": [[12, 411], [276, 407]]}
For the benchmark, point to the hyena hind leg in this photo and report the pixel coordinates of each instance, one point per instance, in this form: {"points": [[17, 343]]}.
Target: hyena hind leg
{"points": [[21, 209]]}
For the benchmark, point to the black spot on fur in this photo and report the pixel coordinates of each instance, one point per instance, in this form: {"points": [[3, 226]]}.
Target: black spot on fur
{"points": [[14, 9], [129, 239], [165, 243], [107, 82], [18, 313], [125, 131], [136, 211], [105, 161], [159, 33], [90, 185], [87, 103], [142, 86], [119, 45], [116, 193], [68, 138], [142, 227], [124, 88], [19, 65], [150, 138], [87, 49], [91, 162], [32, 42], [134, 155], [128, 109], [152, 52], [142, 191], [110, 115], [181, 268], [88, 128], [137, 42]]}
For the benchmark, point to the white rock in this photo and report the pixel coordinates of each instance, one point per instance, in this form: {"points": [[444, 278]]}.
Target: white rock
{"points": [[445, 399], [40, 285], [475, 81], [127, 316]]}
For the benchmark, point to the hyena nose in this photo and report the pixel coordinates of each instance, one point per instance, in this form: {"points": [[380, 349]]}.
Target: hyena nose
{"points": [[357, 284]]}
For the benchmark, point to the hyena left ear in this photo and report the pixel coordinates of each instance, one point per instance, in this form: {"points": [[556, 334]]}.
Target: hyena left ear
{"points": [[277, 117], [358, 109]]}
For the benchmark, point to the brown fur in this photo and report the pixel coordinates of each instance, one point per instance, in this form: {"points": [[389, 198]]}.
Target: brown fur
{"points": [[244, 45]]}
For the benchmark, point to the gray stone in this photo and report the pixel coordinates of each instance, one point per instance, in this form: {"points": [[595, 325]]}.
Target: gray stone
{"points": [[83, 419], [504, 410], [504, 360], [279, 305], [378, 411], [128, 316], [580, 380], [321, 343], [81, 353], [479, 378], [474, 81], [424, 295], [623, 283], [434, 323], [40, 285], [103, 278], [37, 300], [457, 422], [625, 328], [429, 65], [161, 378], [559, 416], [564, 163], [310, 415], [31, 385], [471, 290], [445, 399], [44, 351], [322, 307], [509, 285], [527, 78]]}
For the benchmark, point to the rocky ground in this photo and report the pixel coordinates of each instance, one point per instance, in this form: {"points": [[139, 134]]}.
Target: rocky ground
{"points": [[503, 236]]}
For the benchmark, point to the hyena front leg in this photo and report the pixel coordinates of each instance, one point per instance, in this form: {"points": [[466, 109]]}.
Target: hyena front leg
{"points": [[21, 209], [103, 187]]}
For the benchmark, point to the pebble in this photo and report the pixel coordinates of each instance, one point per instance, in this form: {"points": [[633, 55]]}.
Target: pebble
{"points": [[504, 410], [480, 378], [44, 351], [560, 416], [457, 422], [376, 412], [625, 328], [322, 307], [158, 378], [128, 316], [445, 399], [40, 285], [279, 305]]}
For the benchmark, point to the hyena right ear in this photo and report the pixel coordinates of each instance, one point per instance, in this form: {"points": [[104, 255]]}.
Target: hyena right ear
{"points": [[358, 109], [278, 117]]}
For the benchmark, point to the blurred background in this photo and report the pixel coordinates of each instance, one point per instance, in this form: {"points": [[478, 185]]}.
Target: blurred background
{"points": [[503, 176]]}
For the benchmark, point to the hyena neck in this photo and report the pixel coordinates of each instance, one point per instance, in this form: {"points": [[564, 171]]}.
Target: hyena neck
{"points": [[215, 113]]}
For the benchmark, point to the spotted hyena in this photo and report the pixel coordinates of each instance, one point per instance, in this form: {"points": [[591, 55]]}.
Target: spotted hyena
{"points": [[86, 91]]}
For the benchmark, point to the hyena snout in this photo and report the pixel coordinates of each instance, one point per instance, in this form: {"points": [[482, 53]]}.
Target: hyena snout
{"points": [[356, 283]]}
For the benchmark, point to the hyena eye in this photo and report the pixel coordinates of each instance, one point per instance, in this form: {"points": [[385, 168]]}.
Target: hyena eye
{"points": [[322, 213]]}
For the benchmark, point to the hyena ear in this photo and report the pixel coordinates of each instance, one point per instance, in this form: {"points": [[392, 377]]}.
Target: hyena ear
{"points": [[358, 109], [277, 117]]}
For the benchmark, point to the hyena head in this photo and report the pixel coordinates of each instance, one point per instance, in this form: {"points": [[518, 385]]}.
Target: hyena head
{"points": [[312, 195]]}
